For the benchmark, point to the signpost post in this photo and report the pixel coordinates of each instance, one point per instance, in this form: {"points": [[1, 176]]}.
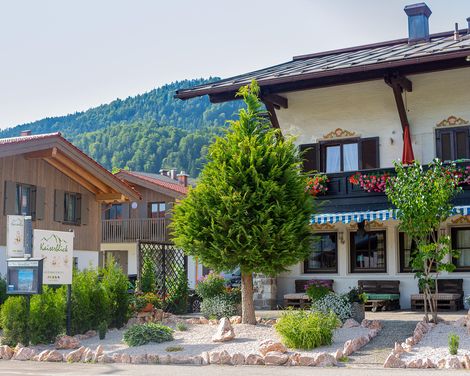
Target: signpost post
{"points": [[56, 248]]}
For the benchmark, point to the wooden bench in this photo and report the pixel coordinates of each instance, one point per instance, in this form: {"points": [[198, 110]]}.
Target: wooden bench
{"points": [[449, 296], [300, 299], [383, 294]]}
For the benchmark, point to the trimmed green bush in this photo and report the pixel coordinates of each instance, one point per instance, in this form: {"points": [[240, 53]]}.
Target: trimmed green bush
{"points": [[90, 303], [138, 335], [14, 320], [181, 327], [454, 342], [306, 330], [147, 279], [219, 306], [115, 284], [47, 315], [210, 286], [3, 290]]}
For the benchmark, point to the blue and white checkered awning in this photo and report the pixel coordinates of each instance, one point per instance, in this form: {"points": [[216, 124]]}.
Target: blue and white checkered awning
{"points": [[380, 215]]}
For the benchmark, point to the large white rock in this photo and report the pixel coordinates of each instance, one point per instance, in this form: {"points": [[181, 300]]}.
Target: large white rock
{"points": [[224, 332], [269, 345], [275, 358]]}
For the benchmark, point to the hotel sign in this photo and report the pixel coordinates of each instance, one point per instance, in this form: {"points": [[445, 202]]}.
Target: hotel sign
{"points": [[56, 248], [17, 238]]}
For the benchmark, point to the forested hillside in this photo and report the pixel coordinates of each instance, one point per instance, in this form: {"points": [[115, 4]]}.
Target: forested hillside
{"points": [[145, 132]]}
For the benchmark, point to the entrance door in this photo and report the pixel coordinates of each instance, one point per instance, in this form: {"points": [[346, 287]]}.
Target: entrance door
{"points": [[120, 257]]}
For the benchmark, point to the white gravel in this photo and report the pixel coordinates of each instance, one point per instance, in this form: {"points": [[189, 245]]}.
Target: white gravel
{"points": [[198, 339], [435, 346]]}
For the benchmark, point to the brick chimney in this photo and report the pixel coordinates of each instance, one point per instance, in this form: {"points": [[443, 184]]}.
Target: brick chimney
{"points": [[183, 178], [25, 133], [418, 22]]}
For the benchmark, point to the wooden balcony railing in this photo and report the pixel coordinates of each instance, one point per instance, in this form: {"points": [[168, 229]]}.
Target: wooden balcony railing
{"points": [[131, 230]]}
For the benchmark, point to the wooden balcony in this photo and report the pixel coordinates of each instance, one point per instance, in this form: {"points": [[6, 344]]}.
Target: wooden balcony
{"points": [[131, 230], [342, 196]]}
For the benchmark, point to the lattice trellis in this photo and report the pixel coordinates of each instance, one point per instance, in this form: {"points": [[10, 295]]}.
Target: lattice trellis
{"points": [[168, 262]]}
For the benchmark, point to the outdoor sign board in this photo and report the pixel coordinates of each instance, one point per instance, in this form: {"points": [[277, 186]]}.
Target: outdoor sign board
{"points": [[24, 276], [56, 248], [18, 235]]}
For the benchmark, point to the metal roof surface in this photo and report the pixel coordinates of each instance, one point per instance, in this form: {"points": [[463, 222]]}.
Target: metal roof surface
{"points": [[368, 57]]}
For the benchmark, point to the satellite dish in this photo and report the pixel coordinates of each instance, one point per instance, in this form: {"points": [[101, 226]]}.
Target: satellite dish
{"points": [[134, 205]]}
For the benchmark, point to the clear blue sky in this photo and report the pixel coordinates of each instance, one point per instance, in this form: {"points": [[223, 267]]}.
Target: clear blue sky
{"points": [[58, 56]]}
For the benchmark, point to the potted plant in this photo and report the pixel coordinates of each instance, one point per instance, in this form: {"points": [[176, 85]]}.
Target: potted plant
{"points": [[317, 184], [357, 300]]}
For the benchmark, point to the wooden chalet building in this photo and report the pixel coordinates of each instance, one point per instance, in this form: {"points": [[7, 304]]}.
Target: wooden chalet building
{"points": [[147, 219], [360, 109], [63, 189]]}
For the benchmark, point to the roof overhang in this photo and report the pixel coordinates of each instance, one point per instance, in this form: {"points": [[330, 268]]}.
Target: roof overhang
{"points": [[72, 162], [146, 183]]}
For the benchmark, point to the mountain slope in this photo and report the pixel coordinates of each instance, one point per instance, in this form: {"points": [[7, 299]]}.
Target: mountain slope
{"points": [[145, 132]]}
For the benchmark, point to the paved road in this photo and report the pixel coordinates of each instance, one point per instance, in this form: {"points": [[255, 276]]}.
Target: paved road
{"points": [[12, 368]]}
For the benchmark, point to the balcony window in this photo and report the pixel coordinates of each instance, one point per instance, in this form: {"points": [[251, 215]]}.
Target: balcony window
{"points": [[324, 256], [114, 212], [368, 252], [341, 155], [453, 143], [461, 243], [156, 210]]}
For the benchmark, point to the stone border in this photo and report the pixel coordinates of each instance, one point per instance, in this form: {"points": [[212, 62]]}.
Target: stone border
{"points": [[421, 329], [271, 353]]}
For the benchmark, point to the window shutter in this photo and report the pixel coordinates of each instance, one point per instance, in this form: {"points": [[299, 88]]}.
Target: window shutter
{"points": [[40, 203], [438, 144], [143, 209], [310, 156], [84, 208], [9, 203], [369, 153], [125, 210], [59, 205]]}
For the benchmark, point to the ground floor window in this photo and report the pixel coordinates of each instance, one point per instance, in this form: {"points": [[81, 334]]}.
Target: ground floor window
{"points": [[324, 256], [407, 249], [461, 243], [368, 252]]}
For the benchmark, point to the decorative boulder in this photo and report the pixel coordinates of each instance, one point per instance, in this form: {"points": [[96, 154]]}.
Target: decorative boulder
{"points": [[6, 352], [224, 331], [394, 362], [236, 320], [339, 354], [350, 323], [306, 361], [24, 353], [325, 359], [416, 363], [41, 357], [466, 361], [225, 357], [139, 359], [54, 356], [428, 363], [214, 357], [453, 363], [254, 360], [269, 345], [98, 352], [67, 343], [238, 359], [275, 358], [75, 355], [371, 324]]}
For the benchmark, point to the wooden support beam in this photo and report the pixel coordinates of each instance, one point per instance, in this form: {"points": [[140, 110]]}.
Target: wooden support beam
{"points": [[272, 114], [72, 175], [276, 100], [41, 154], [399, 84], [62, 158], [111, 197]]}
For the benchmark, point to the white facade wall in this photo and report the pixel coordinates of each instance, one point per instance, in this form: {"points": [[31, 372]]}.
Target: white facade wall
{"points": [[86, 259], [3, 260], [368, 109]]}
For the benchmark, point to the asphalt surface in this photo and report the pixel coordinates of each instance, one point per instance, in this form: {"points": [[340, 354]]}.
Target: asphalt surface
{"points": [[13, 368]]}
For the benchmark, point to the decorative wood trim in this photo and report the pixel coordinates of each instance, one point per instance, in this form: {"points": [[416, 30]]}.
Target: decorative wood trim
{"points": [[463, 219], [339, 133], [452, 121], [323, 227], [373, 225]]}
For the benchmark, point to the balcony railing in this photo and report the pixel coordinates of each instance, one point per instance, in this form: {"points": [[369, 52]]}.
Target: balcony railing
{"points": [[342, 196], [131, 230]]}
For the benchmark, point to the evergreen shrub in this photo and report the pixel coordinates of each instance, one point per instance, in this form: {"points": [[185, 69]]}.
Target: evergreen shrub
{"points": [[306, 330], [138, 335], [14, 320]]}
